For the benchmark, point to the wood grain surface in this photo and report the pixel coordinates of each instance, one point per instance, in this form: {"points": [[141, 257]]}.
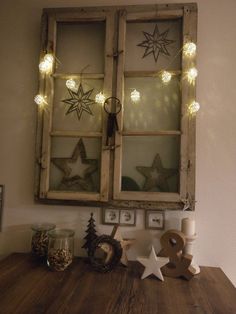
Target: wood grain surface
{"points": [[28, 287]]}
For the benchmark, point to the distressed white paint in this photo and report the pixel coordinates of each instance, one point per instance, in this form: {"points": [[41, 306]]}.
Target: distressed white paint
{"points": [[216, 129]]}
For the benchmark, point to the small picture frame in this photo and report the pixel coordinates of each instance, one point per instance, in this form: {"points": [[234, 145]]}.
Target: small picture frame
{"points": [[127, 217], [123, 217], [155, 219], [111, 216]]}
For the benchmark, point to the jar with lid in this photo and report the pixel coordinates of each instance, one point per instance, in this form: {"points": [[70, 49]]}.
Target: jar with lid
{"points": [[40, 239], [60, 249]]}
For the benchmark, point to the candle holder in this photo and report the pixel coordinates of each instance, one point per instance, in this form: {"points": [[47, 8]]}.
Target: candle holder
{"points": [[188, 249]]}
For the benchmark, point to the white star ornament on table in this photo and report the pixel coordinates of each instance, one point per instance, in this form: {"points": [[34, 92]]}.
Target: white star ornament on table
{"points": [[153, 265]]}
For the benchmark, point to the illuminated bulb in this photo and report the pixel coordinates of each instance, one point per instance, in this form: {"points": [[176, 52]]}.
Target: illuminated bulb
{"points": [[166, 76], [100, 98], [45, 66], [135, 95], [190, 49], [49, 58], [71, 84], [40, 100], [192, 74], [194, 107]]}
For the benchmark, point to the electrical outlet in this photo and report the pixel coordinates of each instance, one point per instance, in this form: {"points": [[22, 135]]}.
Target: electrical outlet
{"points": [[155, 219]]}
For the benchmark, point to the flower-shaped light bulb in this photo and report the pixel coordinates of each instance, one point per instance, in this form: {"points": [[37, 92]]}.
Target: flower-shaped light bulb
{"points": [[135, 95], [71, 84], [100, 98], [45, 66], [166, 77], [194, 107], [189, 49], [192, 74]]}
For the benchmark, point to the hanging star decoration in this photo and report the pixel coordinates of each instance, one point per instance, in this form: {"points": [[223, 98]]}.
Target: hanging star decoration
{"points": [[125, 244], [156, 43], [153, 265], [156, 176], [79, 101], [70, 167]]}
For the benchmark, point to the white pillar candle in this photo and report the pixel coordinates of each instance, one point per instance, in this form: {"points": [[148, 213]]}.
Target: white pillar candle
{"points": [[188, 226]]}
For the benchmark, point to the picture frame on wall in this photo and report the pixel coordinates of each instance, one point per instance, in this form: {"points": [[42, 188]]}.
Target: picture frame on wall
{"points": [[123, 217], [155, 219]]}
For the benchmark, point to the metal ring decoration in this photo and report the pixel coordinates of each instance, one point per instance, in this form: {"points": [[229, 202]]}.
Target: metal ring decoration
{"points": [[118, 105], [113, 262]]}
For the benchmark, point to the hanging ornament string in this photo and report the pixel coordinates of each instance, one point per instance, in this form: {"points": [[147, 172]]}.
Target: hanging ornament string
{"points": [[112, 107]]}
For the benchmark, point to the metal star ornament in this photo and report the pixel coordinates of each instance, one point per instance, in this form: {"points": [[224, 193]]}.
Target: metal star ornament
{"points": [[156, 176], [153, 265], [79, 101], [156, 43]]}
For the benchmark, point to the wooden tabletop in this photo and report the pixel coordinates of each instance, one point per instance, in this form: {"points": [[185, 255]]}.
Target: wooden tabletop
{"points": [[28, 287]]}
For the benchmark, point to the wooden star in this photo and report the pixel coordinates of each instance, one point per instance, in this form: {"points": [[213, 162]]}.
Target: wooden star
{"points": [[125, 244], [156, 43], [79, 101], [156, 176], [153, 265], [65, 165]]}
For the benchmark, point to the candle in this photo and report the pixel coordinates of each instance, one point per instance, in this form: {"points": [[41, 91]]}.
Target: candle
{"points": [[188, 226]]}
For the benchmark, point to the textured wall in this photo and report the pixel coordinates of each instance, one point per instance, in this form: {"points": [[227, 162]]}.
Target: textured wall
{"points": [[216, 129]]}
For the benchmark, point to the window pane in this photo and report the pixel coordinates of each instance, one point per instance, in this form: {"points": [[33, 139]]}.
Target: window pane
{"points": [[153, 45], [79, 45], [159, 105], [77, 111], [150, 163], [75, 164]]}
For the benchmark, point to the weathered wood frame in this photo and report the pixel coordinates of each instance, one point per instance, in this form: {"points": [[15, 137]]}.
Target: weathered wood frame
{"points": [[110, 195], [187, 155], [47, 87]]}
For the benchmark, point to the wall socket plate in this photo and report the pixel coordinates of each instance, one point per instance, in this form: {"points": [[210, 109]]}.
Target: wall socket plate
{"points": [[155, 219]]}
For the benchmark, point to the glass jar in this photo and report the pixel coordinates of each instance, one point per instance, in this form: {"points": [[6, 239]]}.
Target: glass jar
{"points": [[40, 239], [60, 249]]}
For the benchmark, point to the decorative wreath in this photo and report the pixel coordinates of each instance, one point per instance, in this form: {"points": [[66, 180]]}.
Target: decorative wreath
{"points": [[116, 253]]}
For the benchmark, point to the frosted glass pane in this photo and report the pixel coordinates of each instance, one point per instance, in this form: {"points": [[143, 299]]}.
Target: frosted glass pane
{"points": [[79, 45], [159, 106], [164, 36], [71, 121], [156, 157], [75, 164]]}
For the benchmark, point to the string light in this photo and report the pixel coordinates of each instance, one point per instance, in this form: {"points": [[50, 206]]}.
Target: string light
{"points": [[46, 65], [166, 77], [189, 49], [194, 107], [135, 95], [192, 74], [40, 100], [100, 98], [71, 84]]}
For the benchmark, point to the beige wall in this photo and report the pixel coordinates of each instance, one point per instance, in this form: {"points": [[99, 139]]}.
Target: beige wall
{"points": [[216, 135]]}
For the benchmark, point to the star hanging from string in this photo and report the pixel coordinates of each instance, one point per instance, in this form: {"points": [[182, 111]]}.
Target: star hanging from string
{"points": [[79, 101], [72, 180], [153, 265], [156, 176], [156, 43]]}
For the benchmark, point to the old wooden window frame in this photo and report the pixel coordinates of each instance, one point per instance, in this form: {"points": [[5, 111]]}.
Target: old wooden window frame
{"points": [[110, 186]]}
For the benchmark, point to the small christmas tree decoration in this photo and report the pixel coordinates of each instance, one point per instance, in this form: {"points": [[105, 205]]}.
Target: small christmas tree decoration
{"points": [[91, 234], [125, 244], [153, 265]]}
